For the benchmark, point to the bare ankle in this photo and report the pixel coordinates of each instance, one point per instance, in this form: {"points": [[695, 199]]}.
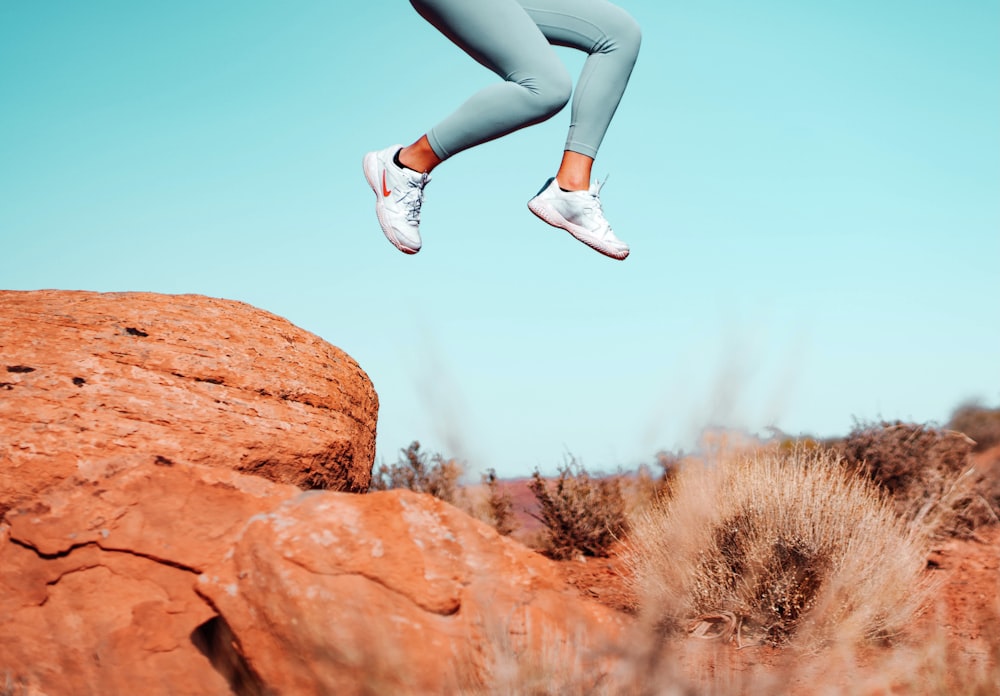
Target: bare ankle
{"points": [[572, 184], [574, 171], [419, 156], [406, 158]]}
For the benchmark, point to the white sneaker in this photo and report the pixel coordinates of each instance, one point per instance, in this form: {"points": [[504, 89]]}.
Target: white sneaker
{"points": [[580, 214], [399, 193]]}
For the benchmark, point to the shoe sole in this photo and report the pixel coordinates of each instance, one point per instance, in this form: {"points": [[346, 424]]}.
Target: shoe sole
{"points": [[370, 165], [552, 217]]}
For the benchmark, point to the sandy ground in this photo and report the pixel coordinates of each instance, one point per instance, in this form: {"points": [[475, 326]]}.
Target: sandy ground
{"points": [[970, 591]]}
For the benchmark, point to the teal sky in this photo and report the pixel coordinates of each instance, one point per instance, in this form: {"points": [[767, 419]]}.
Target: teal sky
{"points": [[811, 192]]}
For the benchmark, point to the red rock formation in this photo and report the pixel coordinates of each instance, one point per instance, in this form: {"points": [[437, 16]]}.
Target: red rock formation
{"points": [[88, 378], [134, 558], [116, 583], [400, 593], [97, 579]]}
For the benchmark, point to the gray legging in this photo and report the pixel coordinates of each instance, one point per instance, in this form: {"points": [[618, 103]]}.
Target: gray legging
{"points": [[511, 38]]}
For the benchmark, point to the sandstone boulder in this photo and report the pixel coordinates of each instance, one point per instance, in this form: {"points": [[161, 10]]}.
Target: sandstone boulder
{"points": [[184, 579], [97, 580], [401, 593], [89, 378]]}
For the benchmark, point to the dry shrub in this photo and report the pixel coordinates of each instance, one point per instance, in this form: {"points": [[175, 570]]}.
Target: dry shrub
{"points": [[979, 423], [647, 485], [438, 477], [927, 471], [581, 514], [765, 545], [499, 505], [640, 489]]}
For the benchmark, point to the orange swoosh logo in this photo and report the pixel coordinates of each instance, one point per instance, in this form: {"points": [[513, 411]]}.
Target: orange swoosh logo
{"points": [[385, 192]]}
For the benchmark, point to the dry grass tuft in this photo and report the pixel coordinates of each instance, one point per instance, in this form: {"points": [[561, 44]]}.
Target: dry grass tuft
{"points": [[933, 667], [582, 515], [763, 546]]}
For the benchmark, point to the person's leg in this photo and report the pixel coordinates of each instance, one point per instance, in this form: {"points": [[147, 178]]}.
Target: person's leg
{"points": [[513, 41], [501, 36], [611, 38]]}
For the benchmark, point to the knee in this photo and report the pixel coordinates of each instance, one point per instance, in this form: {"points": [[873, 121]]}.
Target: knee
{"points": [[622, 33], [549, 90], [557, 92]]}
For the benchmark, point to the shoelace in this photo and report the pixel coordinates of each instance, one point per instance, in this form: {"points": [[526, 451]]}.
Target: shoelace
{"points": [[414, 198], [596, 187], [595, 192]]}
